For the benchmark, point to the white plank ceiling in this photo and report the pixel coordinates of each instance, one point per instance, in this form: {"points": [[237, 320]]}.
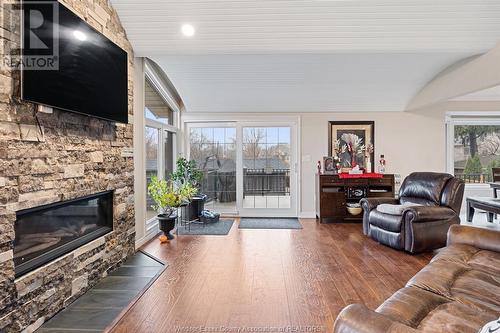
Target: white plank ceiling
{"points": [[306, 55]]}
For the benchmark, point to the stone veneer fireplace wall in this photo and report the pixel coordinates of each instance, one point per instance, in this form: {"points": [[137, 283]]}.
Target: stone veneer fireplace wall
{"points": [[67, 157]]}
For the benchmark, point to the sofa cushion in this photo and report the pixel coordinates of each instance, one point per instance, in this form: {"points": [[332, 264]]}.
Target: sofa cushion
{"points": [[410, 305], [465, 275], [454, 317], [482, 260], [431, 313], [395, 209], [456, 292], [387, 222]]}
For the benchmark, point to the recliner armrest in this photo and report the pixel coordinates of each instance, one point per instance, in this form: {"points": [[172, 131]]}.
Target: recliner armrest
{"points": [[486, 239], [428, 213], [369, 204], [357, 318], [372, 203]]}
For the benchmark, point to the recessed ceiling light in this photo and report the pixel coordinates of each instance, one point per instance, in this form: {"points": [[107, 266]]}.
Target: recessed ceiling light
{"points": [[188, 30], [79, 35]]}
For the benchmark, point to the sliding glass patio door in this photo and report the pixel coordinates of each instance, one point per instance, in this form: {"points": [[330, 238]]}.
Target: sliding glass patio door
{"points": [[247, 169]]}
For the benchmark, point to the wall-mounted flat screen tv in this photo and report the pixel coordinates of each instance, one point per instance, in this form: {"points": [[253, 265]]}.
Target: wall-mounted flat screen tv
{"points": [[68, 65]]}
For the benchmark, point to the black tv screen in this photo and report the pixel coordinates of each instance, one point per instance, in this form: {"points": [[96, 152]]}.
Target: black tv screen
{"points": [[68, 65]]}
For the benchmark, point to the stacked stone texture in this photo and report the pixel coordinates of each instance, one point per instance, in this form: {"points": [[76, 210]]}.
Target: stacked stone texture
{"points": [[45, 158]]}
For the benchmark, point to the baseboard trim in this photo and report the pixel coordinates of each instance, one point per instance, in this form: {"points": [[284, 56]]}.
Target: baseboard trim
{"points": [[151, 233], [307, 215]]}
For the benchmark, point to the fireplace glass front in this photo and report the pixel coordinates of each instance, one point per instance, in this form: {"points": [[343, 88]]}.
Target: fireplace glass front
{"points": [[50, 231]]}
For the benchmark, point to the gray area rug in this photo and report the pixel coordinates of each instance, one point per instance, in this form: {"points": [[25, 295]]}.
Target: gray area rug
{"points": [[220, 228], [99, 307], [269, 223]]}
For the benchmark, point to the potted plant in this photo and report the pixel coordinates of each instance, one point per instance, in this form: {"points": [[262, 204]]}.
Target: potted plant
{"points": [[167, 199], [188, 174]]}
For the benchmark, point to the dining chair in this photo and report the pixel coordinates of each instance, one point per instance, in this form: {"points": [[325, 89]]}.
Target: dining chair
{"points": [[496, 174]]}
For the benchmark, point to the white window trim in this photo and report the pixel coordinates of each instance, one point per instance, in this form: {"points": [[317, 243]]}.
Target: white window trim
{"points": [[162, 128], [466, 118], [150, 228], [164, 91]]}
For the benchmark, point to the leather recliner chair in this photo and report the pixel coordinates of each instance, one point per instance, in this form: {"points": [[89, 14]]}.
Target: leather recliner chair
{"points": [[423, 227]]}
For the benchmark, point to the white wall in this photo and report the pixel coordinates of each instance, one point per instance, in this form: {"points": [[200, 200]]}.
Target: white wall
{"points": [[410, 141]]}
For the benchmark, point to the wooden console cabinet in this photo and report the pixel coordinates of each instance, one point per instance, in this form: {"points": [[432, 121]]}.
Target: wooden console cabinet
{"points": [[333, 194]]}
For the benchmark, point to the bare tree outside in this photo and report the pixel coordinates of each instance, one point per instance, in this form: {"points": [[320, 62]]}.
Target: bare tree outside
{"points": [[253, 139]]}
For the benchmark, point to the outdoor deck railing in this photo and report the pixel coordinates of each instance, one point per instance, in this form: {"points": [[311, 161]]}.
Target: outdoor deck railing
{"points": [[222, 185], [266, 182], [475, 178]]}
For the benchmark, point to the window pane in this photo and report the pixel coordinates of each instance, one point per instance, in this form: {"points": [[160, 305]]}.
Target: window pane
{"points": [[272, 135], [195, 135], [266, 163], [168, 157], [231, 135], [284, 135], [214, 151], [156, 107], [476, 151], [152, 142]]}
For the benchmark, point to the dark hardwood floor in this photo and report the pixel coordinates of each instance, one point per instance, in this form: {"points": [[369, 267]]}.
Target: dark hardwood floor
{"points": [[267, 278]]}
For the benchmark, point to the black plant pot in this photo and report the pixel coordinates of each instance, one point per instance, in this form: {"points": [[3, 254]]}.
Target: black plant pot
{"points": [[196, 205], [167, 224]]}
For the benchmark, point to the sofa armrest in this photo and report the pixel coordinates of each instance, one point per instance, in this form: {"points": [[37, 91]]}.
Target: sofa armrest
{"points": [[486, 239], [429, 213], [372, 203], [357, 318]]}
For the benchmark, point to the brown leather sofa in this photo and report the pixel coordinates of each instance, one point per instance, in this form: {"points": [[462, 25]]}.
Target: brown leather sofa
{"points": [[458, 291], [418, 228]]}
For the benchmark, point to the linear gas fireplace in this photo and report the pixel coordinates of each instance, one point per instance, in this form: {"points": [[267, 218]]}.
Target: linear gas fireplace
{"points": [[47, 232]]}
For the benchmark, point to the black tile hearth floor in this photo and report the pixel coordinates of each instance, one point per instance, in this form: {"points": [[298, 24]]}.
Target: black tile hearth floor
{"points": [[99, 307]]}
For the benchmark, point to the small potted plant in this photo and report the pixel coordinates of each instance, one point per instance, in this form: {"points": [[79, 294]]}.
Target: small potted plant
{"points": [[167, 199], [188, 174]]}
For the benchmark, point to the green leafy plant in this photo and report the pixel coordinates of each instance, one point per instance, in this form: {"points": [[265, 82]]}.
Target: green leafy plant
{"points": [[166, 196], [187, 173], [473, 166], [187, 191]]}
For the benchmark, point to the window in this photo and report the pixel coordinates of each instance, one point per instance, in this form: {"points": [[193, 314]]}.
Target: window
{"points": [[168, 156], [266, 167], [159, 135], [474, 148], [156, 107], [152, 143], [214, 150]]}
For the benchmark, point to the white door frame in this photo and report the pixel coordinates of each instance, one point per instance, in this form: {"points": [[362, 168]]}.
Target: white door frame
{"points": [[239, 123]]}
